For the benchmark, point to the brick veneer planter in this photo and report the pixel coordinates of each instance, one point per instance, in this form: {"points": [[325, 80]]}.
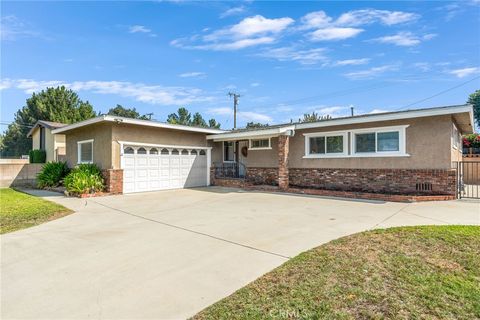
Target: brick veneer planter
{"points": [[113, 180], [389, 181], [262, 176], [228, 182]]}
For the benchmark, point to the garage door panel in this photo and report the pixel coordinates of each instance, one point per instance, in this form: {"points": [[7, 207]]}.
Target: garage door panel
{"points": [[157, 171]]}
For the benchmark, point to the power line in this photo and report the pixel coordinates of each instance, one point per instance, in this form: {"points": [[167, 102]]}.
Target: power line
{"points": [[19, 124], [439, 93]]}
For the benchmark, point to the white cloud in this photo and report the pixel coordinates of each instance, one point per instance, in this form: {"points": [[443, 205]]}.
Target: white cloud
{"points": [[332, 111], [371, 73], [12, 28], [464, 72], [244, 115], [138, 29], [368, 16], [404, 39], [249, 32], [306, 57], [378, 111], [316, 19], [254, 84], [233, 11], [153, 94], [193, 75], [334, 33], [352, 62]]}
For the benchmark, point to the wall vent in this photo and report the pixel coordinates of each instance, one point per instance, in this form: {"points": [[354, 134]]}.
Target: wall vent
{"points": [[424, 186]]}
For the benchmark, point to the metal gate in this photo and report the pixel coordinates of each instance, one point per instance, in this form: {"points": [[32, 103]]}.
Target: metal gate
{"points": [[468, 179]]}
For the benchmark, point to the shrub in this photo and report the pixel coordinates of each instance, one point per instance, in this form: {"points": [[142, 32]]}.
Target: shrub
{"points": [[85, 178], [52, 174], [37, 156], [471, 140]]}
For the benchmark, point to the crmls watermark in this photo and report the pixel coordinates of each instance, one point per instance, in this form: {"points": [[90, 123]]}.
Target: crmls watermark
{"points": [[287, 314]]}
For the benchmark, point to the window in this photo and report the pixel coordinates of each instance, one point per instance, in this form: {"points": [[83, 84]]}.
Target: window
{"points": [[85, 151], [202, 152], [153, 151], [164, 151], [387, 141], [365, 142], [128, 150], [228, 151], [174, 151], [371, 142], [184, 152], [325, 144], [42, 138], [193, 152], [141, 151], [260, 144]]}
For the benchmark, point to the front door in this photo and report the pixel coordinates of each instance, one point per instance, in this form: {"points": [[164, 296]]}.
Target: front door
{"points": [[242, 157]]}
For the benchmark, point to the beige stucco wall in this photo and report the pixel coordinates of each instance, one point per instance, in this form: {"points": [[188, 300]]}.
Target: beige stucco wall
{"points": [[36, 139], [428, 142], [102, 144], [133, 133], [52, 142]]}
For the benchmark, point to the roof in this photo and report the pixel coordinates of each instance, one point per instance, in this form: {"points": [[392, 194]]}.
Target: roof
{"points": [[47, 124], [466, 124], [146, 123]]}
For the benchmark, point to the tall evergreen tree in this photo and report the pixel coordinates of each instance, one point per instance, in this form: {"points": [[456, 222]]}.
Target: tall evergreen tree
{"points": [[121, 111], [53, 104]]}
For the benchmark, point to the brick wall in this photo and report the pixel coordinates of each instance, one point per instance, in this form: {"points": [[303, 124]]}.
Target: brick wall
{"points": [[259, 176], [113, 180], [283, 150], [229, 182], [394, 181]]}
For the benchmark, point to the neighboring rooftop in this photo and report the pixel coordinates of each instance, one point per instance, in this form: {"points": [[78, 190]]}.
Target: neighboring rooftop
{"points": [[47, 124]]}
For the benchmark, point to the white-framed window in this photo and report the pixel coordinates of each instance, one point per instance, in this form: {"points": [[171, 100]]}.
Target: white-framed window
{"points": [[378, 142], [456, 137], [326, 144], [85, 151], [371, 142], [260, 144], [228, 151]]}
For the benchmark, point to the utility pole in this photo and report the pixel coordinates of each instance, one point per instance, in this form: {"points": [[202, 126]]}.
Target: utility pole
{"points": [[351, 109], [235, 103]]}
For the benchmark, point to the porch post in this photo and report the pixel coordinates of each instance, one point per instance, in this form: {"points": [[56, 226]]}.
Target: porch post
{"points": [[283, 148]]}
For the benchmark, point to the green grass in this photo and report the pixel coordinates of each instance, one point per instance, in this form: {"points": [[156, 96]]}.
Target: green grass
{"points": [[20, 210], [430, 272]]}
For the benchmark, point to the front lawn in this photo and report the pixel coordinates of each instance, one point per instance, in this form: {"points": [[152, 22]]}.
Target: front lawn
{"points": [[19, 210], [430, 272]]}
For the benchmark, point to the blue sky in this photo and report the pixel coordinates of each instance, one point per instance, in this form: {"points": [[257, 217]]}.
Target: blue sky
{"points": [[284, 58]]}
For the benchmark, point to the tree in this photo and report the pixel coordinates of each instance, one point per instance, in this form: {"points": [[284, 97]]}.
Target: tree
{"points": [[53, 104], [474, 99], [121, 111], [181, 117], [255, 125], [313, 117], [198, 120], [184, 117], [212, 123]]}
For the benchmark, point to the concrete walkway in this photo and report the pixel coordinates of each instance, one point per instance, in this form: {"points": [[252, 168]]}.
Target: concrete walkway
{"points": [[168, 255]]}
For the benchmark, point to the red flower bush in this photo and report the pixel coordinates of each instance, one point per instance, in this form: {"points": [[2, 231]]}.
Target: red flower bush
{"points": [[471, 140]]}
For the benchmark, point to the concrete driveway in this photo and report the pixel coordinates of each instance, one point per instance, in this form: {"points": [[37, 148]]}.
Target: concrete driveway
{"points": [[168, 255]]}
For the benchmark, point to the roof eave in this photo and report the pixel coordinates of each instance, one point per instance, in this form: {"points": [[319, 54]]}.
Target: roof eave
{"points": [[146, 123], [250, 134]]}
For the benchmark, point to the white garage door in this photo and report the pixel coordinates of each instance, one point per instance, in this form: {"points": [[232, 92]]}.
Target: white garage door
{"points": [[155, 168]]}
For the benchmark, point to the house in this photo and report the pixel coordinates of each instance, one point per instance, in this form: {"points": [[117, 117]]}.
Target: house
{"points": [[404, 152], [44, 139]]}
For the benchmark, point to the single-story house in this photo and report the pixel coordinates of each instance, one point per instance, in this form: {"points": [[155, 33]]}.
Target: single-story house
{"points": [[404, 152], [44, 139]]}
